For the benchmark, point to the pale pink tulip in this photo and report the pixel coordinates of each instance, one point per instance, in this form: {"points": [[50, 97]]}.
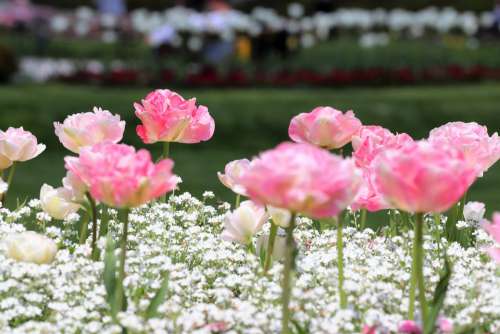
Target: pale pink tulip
{"points": [[233, 173], [479, 149], [17, 145], [494, 231], [242, 224], [371, 140], [75, 186], [168, 117], [90, 128], [422, 177], [119, 176], [57, 203], [303, 179], [325, 127]]}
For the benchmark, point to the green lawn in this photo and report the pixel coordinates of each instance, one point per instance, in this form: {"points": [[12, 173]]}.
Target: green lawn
{"points": [[247, 121]]}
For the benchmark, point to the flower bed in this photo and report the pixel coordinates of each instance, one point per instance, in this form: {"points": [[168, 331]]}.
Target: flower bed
{"points": [[123, 256], [217, 286]]}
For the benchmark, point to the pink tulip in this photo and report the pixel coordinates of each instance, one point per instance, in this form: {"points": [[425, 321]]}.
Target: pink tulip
{"points": [[303, 178], [168, 117], [16, 145], [479, 149], [409, 327], [119, 176], [90, 128], [494, 231], [422, 177], [368, 196], [233, 173], [371, 140], [325, 127]]}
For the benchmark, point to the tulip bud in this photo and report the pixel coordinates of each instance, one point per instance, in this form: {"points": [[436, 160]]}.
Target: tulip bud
{"points": [[57, 202], [241, 225], [280, 217], [31, 247]]}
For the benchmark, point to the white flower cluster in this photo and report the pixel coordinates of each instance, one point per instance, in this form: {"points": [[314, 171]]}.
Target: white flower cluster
{"points": [[217, 286], [178, 21]]}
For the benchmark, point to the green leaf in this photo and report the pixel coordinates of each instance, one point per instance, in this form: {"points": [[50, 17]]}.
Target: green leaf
{"points": [[158, 299], [438, 299], [298, 328], [316, 225]]}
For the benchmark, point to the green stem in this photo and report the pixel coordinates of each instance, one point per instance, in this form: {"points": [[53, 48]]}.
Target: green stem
{"points": [[286, 285], [462, 205], [12, 171], [251, 248], [340, 262], [270, 247], [119, 294], [418, 259], [94, 226], [103, 228], [363, 219], [165, 154], [84, 228], [237, 201]]}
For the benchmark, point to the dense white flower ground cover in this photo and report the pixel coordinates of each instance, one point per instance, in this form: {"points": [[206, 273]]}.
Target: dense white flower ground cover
{"points": [[216, 286]]}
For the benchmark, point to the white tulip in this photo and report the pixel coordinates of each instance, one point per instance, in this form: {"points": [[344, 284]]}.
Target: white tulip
{"points": [[57, 202], [31, 247], [474, 211], [241, 225], [279, 248], [280, 217]]}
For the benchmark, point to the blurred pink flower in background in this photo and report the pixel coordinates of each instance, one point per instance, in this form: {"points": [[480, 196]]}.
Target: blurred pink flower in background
{"points": [[233, 172], [479, 149], [168, 117], [493, 230], [120, 177], [241, 225], [445, 325], [303, 179], [17, 145], [422, 177], [325, 127], [409, 327], [90, 128]]}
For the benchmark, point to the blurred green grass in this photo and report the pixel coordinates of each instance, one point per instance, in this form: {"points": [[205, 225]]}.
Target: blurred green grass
{"points": [[247, 121]]}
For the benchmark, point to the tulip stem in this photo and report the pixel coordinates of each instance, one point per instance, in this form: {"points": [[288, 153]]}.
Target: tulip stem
{"points": [[462, 205], [123, 256], [340, 262], [84, 228], [237, 202], [165, 154], [12, 171], [287, 277], [363, 220], [94, 226], [417, 269], [270, 247]]}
